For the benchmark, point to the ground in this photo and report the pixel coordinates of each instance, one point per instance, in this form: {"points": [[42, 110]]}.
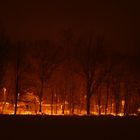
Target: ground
{"points": [[69, 127]]}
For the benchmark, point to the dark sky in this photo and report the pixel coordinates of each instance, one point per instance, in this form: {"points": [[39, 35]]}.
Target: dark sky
{"points": [[118, 21]]}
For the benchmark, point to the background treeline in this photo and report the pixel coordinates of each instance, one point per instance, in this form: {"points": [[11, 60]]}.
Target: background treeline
{"points": [[79, 71]]}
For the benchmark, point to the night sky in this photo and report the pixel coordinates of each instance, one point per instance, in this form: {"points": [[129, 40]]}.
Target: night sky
{"points": [[117, 20]]}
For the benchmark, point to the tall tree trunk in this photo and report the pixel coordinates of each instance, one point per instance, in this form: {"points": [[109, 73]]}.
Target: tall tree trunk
{"points": [[40, 96], [72, 104], [63, 108], [88, 105], [64, 100], [35, 106], [99, 99], [111, 105], [17, 80], [55, 103], [16, 97], [117, 98], [88, 97], [52, 103], [107, 96], [125, 108]]}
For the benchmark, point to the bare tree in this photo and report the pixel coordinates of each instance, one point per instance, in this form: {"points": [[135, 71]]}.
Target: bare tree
{"points": [[50, 57], [88, 55], [18, 54]]}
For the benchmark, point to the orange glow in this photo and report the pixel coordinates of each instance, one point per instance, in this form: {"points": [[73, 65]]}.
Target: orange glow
{"points": [[46, 110], [28, 104]]}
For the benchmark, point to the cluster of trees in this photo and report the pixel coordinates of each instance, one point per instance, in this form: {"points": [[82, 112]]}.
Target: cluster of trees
{"points": [[80, 71]]}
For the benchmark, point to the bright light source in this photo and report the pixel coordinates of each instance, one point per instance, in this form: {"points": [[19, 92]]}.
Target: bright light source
{"points": [[4, 89]]}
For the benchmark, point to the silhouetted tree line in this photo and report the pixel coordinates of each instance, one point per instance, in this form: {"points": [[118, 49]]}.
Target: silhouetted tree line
{"points": [[79, 71]]}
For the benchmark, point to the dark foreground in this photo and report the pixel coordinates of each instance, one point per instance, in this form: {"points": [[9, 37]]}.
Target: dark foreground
{"points": [[66, 127]]}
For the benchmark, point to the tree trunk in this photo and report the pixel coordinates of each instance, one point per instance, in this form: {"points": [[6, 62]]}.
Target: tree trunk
{"points": [[88, 97], [16, 99], [125, 101], [88, 105], [125, 105], [40, 97], [40, 105], [117, 98], [35, 107], [64, 100], [117, 105], [63, 108], [73, 108], [111, 105], [17, 80], [72, 104], [56, 104], [107, 96], [99, 100], [52, 103]]}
